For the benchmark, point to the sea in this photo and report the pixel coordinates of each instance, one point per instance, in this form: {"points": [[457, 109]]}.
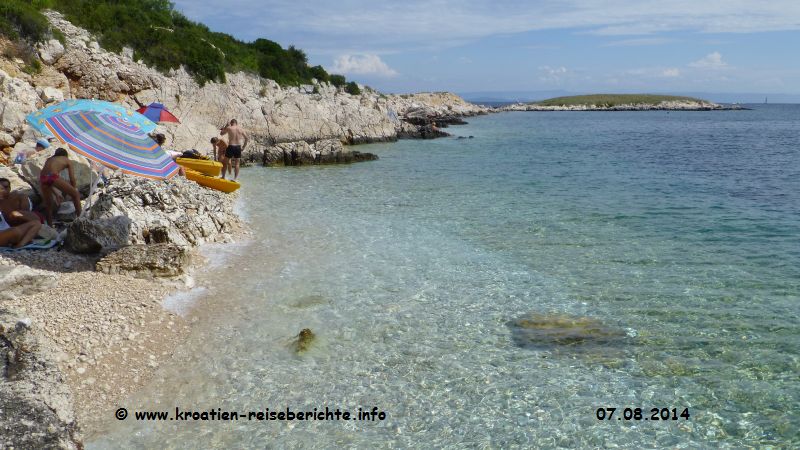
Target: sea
{"points": [[537, 280]]}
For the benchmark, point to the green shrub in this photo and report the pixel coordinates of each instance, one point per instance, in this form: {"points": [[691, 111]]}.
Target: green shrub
{"points": [[337, 80], [352, 88], [33, 68], [611, 100], [319, 73], [19, 19]]}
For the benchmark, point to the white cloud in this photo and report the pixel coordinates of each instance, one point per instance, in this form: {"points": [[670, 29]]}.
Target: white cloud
{"points": [[362, 65], [639, 42], [367, 26], [710, 61], [553, 74], [671, 73]]}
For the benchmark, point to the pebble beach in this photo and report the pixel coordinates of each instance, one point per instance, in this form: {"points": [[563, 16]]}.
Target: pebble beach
{"points": [[109, 332]]}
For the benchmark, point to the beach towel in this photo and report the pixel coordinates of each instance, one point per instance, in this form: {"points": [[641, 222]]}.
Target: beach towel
{"points": [[36, 244]]}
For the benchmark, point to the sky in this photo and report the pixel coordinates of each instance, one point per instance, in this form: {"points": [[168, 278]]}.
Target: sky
{"points": [[577, 46]]}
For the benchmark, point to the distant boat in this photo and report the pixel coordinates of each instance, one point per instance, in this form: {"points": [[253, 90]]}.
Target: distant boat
{"points": [[765, 100]]}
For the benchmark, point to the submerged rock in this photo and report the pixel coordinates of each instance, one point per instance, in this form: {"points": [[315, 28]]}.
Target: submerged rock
{"points": [[309, 301], [303, 341], [549, 330]]}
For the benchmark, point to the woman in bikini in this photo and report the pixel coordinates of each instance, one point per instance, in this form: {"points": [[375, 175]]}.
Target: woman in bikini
{"points": [[49, 179]]}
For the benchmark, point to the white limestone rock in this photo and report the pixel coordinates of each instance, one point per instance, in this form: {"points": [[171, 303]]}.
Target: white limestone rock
{"points": [[135, 210], [51, 51], [51, 95], [17, 183], [6, 140]]}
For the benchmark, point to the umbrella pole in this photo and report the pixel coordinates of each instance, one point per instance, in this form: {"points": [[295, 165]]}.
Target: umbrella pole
{"points": [[91, 186]]}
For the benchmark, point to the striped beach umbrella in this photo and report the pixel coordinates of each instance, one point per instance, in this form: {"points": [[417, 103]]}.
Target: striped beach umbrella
{"points": [[157, 113], [112, 141], [38, 118]]}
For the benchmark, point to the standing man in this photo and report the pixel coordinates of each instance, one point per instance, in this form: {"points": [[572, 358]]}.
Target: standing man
{"points": [[237, 141]]}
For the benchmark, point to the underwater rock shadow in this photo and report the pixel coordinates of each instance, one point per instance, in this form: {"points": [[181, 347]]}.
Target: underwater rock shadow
{"points": [[537, 331]]}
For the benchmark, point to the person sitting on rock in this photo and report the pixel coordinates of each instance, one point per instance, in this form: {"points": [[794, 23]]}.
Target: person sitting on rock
{"points": [[20, 235], [161, 140], [219, 154], [16, 207], [49, 179]]}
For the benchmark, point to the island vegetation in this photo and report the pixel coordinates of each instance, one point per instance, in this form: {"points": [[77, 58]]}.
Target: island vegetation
{"points": [[161, 37], [612, 100]]}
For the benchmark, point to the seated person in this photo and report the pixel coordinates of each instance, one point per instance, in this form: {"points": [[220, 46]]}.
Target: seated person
{"points": [[49, 179], [160, 140], [16, 207], [20, 235]]}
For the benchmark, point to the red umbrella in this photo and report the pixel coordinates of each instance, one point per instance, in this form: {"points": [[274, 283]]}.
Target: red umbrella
{"points": [[157, 113]]}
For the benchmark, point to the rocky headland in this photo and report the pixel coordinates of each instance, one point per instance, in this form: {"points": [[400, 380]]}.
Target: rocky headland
{"points": [[677, 105], [74, 318]]}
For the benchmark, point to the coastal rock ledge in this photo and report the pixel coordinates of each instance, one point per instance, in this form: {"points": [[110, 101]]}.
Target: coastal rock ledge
{"points": [[35, 403], [134, 211]]}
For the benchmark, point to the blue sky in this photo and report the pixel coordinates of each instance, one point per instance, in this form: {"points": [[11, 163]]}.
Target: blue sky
{"points": [[504, 45]]}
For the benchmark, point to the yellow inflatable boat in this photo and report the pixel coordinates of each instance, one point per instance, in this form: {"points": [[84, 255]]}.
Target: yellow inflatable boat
{"points": [[204, 166], [212, 182]]}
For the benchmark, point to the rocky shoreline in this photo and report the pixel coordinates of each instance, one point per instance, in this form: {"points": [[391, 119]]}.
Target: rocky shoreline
{"points": [[318, 122], [81, 331], [82, 327], [663, 106]]}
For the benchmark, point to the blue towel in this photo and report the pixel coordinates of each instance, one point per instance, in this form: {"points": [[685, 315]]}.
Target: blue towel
{"points": [[36, 244]]}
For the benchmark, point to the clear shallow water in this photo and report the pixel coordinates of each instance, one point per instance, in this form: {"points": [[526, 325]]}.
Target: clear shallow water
{"points": [[681, 230]]}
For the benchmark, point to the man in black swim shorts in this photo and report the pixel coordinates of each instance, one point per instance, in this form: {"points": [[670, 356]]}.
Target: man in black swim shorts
{"points": [[237, 141], [233, 151]]}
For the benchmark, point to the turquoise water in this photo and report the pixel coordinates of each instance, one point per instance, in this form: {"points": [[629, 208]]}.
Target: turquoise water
{"points": [[679, 232]]}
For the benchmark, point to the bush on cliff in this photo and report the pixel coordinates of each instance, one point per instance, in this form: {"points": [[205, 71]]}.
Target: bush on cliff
{"points": [[21, 19], [352, 88], [337, 80], [164, 38]]}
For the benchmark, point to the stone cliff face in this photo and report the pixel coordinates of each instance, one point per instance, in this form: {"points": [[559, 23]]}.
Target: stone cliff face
{"points": [[272, 115]]}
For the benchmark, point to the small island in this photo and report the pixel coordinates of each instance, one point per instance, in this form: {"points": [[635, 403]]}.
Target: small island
{"points": [[621, 102]]}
